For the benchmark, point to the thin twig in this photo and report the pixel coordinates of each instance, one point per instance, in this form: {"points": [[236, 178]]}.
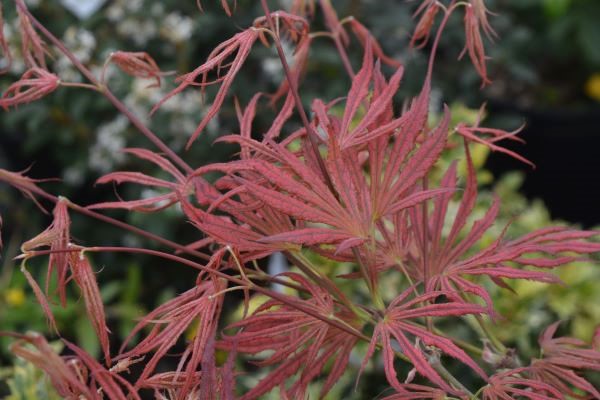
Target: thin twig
{"points": [[115, 222], [310, 132], [335, 34], [272, 294], [106, 91]]}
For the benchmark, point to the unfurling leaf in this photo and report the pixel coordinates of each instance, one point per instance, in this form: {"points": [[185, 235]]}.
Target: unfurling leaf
{"points": [[33, 85], [138, 64]]}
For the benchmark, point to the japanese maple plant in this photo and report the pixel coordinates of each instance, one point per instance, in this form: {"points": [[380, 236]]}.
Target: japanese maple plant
{"points": [[361, 187]]}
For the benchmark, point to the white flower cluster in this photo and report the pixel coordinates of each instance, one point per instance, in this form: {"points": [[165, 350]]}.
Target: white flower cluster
{"points": [[17, 66], [272, 65], [83, 9], [184, 110], [105, 153], [176, 28], [138, 21], [138, 29], [82, 43]]}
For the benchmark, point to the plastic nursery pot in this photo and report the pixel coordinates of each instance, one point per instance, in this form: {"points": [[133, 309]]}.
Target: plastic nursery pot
{"points": [[565, 146]]}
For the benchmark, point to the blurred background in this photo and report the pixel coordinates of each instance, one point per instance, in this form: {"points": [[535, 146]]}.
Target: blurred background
{"points": [[545, 67]]}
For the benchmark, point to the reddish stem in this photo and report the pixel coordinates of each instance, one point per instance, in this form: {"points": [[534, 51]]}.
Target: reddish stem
{"points": [[438, 35], [274, 295], [115, 222], [335, 32], [310, 132]]}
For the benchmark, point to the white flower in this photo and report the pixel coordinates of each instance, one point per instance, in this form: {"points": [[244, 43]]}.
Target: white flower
{"points": [[82, 43], [115, 12], [106, 152], [140, 31], [177, 28]]}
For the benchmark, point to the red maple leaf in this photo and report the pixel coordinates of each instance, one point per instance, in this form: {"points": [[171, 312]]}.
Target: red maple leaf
{"points": [[171, 320], [398, 324], [444, 262], [563, 358], [175, 190], [300, 343], [512, 384]]}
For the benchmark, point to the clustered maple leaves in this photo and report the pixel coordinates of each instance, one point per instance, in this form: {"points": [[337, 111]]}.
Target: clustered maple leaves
{"points": [[357, 188]]}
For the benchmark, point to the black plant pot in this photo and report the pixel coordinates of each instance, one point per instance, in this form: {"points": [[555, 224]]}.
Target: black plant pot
{"points": [[565, 146]]}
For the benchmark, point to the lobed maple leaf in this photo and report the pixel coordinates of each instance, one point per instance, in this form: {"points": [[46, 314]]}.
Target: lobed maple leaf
{"points": [[176, 190], [398, 324], [350, 183], [563, 358], [282, 195], [428, 11], [139, 64], [512, 384], [26, 185], [34, 348], [75, 376], [84, 277], [68, 264], [56, 237], [238, 47], [443, 262], [300, 343], [293, 26], [269, 196], [34, 84], [475, 21], [33, 48], [496, 135], [211, 382], [170, 321], [333, 22], [365, 36]]}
